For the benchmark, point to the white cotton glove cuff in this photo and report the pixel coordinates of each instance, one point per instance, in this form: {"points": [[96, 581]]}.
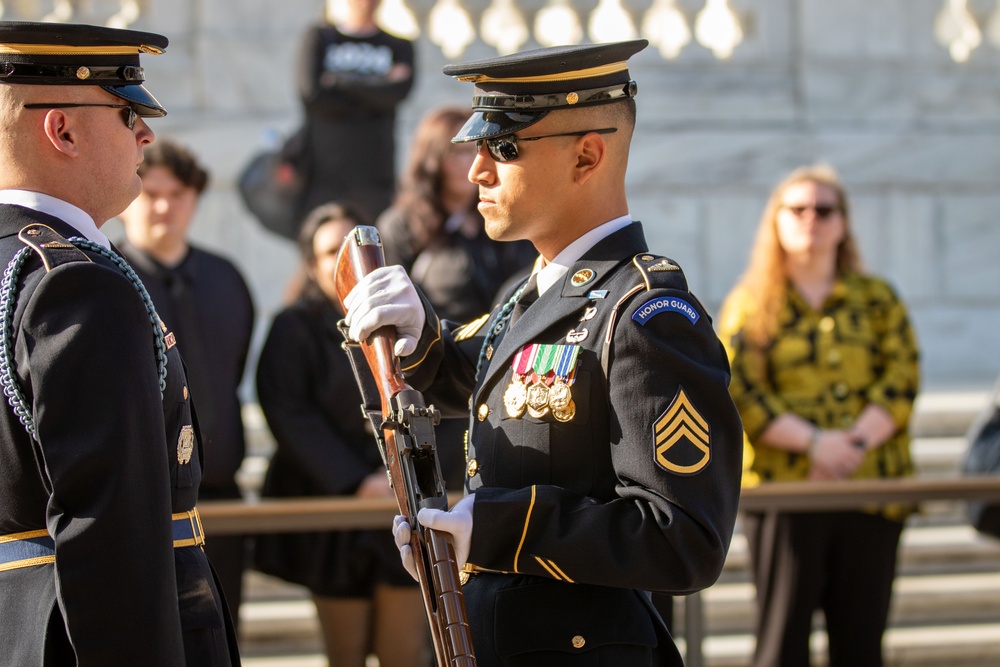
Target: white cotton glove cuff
{"points": [[386, 297], [457, 521]]}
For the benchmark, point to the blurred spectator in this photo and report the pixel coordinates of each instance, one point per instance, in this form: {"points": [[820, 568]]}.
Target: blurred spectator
{"points": [[434, 231], [201, 298], [351, 76], [825, 373], [365, 600]]}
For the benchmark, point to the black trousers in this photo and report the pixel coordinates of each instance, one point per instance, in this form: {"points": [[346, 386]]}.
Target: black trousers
{"points": [[841, 562]]}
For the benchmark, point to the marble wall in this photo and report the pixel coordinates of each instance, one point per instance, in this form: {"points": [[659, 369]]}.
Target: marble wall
{"points": [[860, 84]]}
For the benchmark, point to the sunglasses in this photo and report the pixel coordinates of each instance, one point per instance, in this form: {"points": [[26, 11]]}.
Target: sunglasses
{"points": [[504, 149], [822, 211], [128, 113]]}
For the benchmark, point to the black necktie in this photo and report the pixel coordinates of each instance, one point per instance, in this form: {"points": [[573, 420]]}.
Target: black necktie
{"points": [[528, 296]]}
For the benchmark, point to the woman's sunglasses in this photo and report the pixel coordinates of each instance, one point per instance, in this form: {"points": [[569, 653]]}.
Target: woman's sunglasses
{"points": [[823, 211], [504, 148], [128, 113]]}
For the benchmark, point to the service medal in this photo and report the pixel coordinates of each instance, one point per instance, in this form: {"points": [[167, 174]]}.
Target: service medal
{"points": [[565, 414], [538, 399], [560, 395], [515, 399]]}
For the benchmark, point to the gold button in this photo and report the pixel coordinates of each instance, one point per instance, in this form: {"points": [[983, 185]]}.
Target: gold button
{"points": [[833, 357], [473, 467], [579, 641], [484, 412], [826, 324], [841, 390], [185, 392]]}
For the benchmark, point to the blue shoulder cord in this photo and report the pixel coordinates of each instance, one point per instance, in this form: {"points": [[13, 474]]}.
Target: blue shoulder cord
{"points": [[8, 294]]}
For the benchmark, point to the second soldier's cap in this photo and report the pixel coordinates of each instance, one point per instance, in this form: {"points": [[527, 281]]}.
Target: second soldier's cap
{"points": [[513, 92], [74, 54]]}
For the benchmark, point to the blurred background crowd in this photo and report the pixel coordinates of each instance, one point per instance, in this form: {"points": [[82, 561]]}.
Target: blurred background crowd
{"points": [[900, 97]]}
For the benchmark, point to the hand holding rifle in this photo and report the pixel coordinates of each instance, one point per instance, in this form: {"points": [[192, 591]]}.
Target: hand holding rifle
{"points": [[386, 314]]}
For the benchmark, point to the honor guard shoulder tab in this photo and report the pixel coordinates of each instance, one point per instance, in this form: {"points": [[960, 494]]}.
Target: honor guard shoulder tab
{"points": [[657, 272], [50, 246], [660, 272]]}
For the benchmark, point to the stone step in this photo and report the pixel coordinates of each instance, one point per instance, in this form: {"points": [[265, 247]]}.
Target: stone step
{"points": [[917, 601], [924, 549], [946, 645]]}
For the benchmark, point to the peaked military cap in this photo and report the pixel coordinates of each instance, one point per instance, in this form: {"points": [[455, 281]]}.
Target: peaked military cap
{"points": [[73, 54], [515, 91]]}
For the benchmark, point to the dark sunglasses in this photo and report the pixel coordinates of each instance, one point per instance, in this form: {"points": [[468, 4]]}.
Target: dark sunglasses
{"points": [[128, 113], [504, 149], [823, 211]]}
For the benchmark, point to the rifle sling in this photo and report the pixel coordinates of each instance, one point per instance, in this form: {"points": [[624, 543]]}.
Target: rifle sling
{"points": [[371, 402]]}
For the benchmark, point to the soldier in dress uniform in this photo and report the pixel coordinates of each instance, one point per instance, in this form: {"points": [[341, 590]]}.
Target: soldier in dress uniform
{"points": [[604, 452], [101, 559]]}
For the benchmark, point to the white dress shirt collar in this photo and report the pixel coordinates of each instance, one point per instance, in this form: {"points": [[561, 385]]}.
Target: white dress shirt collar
{"points": [[73, 216], [559, 266]]}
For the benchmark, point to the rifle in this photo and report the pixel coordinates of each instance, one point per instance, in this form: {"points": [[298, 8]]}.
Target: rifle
{"points": [[404, 432]]}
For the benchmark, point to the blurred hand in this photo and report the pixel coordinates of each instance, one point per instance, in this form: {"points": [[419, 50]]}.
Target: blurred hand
{"points": [[457, 522], [386, 297], [375, 485], [836, 455]]}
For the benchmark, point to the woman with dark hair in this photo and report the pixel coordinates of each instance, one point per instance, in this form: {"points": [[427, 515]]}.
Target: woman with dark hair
{"points": [[824, 374], [365, 601], [434, 229]]}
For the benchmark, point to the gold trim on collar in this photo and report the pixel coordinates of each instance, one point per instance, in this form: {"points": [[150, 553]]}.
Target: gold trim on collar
{"points": [[600, 70], [61, 50]]}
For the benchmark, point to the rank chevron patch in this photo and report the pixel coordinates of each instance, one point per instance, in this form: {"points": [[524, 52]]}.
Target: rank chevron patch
{"points": [[681, 437]]}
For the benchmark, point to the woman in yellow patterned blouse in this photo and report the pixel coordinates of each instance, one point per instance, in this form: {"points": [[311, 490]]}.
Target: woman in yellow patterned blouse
{"points": [[825, 372]]}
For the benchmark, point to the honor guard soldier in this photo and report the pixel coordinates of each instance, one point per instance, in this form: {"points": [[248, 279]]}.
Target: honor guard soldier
{"points": [[604, 451], [101, 559]]}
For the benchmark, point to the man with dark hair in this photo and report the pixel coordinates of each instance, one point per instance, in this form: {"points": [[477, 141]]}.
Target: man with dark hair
{"points": [[100, 541], [604, 451], [204, 300]]}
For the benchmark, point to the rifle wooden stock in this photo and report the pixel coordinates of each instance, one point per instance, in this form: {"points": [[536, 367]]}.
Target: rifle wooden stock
{"points": [[410, 458]]}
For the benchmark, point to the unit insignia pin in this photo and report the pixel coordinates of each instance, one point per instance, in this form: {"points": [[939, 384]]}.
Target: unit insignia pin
{"points": [[582, 277], [185, 444]]}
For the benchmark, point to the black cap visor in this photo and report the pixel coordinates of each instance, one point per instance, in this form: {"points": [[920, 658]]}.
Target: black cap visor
{"points": [[490, 124], [142, 100]]}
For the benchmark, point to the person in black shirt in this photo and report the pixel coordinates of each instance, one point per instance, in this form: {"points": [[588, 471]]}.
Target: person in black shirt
{"points": [[351, 76], [203, 299]]}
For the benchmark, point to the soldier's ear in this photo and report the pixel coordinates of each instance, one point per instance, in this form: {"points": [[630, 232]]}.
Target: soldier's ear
{"points": [[591, 153], [60, 130]]}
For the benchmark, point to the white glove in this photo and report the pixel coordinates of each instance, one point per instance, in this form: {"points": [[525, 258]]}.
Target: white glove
{"points": [[457, 521], [386, 297]]}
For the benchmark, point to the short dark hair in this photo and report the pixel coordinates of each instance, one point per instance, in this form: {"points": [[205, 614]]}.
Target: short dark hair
{"points": [[178, 160]]}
